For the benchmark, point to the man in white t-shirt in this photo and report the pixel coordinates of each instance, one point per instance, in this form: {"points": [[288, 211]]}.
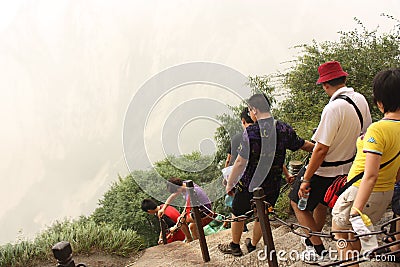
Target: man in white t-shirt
{"points": [[334, 151]]}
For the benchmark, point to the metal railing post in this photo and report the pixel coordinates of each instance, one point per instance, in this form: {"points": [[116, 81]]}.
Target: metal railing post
{"points": [[62, 251], [194, 203], [262, 214]]}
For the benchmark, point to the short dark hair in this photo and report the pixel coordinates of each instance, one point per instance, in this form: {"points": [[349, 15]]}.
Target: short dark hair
{"points": [[173, 183], [245, 115], [386, 89], [260, 102], [336, 81], [148, 204]]}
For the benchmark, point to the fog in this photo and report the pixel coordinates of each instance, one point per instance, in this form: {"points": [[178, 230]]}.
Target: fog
{"points": [[69, 70]]}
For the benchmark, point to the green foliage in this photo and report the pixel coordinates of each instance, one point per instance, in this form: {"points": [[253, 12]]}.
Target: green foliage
{"points": [[119, 226], [84, 235], [261, 84], [121, 207], [182, 167], [230, 126], [282, 206], [362, 53]]}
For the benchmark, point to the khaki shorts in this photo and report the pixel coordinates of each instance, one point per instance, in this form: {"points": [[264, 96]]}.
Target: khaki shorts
{"points": [[375, 207]]}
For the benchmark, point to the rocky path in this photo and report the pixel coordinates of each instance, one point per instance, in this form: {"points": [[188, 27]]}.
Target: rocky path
{"points": [[286, 243]]}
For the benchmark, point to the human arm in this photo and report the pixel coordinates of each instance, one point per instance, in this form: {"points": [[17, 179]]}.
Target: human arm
{"points": [[160, 239], [169, 200], [317, 157], [368, 181], [237, 169], [308, 146], [288, 176], [228, 159]]}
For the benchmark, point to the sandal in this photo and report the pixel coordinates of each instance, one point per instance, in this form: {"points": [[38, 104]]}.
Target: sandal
{"points": [[389, 239]]}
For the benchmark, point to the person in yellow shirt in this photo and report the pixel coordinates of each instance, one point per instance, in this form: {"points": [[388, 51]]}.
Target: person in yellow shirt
{"points": [[379, 146]]}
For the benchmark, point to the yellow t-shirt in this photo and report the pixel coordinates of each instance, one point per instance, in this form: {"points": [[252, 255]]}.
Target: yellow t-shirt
{"points": [[382, 138]]}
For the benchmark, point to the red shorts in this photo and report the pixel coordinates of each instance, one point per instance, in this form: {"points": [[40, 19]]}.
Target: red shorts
{"points": [[178, 236]]}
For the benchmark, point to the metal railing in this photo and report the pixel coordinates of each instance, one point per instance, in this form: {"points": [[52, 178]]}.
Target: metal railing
{"points": [[265, 215]]}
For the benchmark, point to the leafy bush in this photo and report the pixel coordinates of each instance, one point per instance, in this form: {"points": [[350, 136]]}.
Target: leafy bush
{"points": [[121, 205], [362, 53], [84, 235]]}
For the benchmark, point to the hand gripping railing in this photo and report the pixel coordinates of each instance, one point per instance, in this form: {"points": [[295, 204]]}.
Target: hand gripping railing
{"points": [[164, 230]]}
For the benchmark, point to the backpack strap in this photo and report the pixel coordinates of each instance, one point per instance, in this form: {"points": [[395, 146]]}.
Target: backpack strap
{"points": [[388, 162], [338, 163], [360, 175], [350, 183], [348, 99]]}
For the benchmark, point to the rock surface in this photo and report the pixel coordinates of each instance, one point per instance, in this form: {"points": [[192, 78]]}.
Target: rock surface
{"points": [[286, 243]]}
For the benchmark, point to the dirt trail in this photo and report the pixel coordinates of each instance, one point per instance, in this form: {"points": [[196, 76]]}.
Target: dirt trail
{"points": [[182, 254]]}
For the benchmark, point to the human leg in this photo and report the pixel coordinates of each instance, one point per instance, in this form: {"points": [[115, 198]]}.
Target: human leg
{"points": [[306, 218], [391, 238], [256, 236], [186, 231], [345, 249], [234, 246], [237, 230], [396, 213], [315, 221], [271, 196], [240, 205], [397, 237], [193, 230], [319, 215]]}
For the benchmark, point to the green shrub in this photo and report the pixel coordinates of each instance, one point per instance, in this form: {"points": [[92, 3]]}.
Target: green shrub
{"points": [[84, 235]]}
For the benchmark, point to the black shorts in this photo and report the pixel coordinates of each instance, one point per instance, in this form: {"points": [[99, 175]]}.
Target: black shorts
{"points": [[242, 201], [319, 185]]}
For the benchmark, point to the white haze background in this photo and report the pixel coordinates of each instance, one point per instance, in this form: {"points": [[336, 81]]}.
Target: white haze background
{"points": [[68, 70]]}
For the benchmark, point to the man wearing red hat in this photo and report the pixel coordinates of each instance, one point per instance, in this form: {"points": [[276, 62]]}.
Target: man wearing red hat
{"points": [[342, 121]]}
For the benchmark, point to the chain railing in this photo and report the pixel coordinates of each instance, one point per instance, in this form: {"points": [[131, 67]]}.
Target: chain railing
{"points": [[248, 216], [268, 214], [368, 256]]}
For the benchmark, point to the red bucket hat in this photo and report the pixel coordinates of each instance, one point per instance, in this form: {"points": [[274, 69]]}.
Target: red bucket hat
{"points": [[329, 71]]}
